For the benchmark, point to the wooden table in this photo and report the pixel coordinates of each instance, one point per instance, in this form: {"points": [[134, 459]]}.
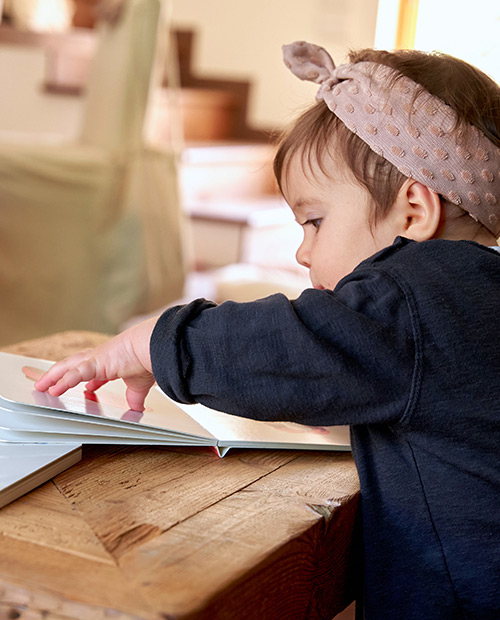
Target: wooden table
{"points": [[162, 533]]}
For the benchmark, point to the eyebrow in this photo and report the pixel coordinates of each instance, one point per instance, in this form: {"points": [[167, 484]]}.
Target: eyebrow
{"points": [[301, 203]]}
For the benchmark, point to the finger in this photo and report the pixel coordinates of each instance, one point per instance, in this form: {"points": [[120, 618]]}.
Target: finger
{"points": [[136, 393], [58, 370], [95, 384], [85, 371], [136, 398], [51, 376]]}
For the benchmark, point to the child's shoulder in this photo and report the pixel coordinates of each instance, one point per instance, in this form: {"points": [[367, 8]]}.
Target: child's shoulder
{"points": [[434, 263], [406, 252]]}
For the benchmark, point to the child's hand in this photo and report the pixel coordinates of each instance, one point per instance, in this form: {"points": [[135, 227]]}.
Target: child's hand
{"points": [[125, 356]]}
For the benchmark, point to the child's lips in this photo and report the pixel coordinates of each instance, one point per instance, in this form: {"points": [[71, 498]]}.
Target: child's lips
{"points": [[319, 287]]}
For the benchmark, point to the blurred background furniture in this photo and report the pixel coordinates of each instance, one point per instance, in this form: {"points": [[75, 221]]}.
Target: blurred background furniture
{"points": [[91, 231]]}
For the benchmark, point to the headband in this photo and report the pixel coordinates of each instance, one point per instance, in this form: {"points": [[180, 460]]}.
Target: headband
{"points": [[409, 127]]}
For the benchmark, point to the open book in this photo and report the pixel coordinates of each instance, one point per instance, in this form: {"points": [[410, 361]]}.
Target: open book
{"points": [[28, 416]]}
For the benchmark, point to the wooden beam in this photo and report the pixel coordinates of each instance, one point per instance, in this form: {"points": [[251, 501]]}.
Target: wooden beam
{"points": [[407, 24]]}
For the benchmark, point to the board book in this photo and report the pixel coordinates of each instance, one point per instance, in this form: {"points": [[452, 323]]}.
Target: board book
{"points": [[78, 416], [25, 466]]}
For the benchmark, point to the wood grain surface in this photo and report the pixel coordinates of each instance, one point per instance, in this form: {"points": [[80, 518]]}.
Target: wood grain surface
{"points": [[178, 533]]}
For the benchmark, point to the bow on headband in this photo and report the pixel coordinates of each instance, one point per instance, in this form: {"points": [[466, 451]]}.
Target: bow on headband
{"points": [[409, 127]]}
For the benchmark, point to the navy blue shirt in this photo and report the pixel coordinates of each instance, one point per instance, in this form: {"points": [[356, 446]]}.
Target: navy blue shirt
{"points": [[406, 350]]}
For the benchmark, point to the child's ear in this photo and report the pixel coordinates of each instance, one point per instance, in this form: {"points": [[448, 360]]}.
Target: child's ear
{"points": [[419, 210]]}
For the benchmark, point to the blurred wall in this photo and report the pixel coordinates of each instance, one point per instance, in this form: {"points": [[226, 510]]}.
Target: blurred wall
{"points": [[473, 35], [25, 109], [243, 39], [234, 39]]}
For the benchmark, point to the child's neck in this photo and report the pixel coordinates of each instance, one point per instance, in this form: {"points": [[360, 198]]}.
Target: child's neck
{"points": [[489, 239], [480, 235], [484, 237]]}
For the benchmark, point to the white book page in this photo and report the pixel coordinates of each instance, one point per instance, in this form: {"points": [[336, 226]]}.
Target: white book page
{"points": [[35, 424], [40, 437], [95, 423], [233, 430], [17, 376]]}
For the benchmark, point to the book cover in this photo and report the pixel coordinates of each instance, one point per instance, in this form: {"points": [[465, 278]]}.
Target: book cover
{"points": [[25, 466]]}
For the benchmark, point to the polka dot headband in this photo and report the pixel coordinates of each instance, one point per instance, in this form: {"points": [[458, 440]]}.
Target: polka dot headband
{"points": [[409, 127]]}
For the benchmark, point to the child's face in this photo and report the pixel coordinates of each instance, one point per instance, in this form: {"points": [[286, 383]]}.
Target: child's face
{"points": [[334, 212]]}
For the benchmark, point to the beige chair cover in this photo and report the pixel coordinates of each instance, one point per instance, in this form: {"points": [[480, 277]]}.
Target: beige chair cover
{"points": [[90, 233]]}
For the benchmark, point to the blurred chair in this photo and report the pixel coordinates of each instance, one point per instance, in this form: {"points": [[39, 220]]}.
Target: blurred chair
{"points": [[91, 233]]}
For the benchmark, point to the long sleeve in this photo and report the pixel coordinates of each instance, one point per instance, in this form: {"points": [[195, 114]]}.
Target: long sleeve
{"points": [[342, 357], [405, 349]]}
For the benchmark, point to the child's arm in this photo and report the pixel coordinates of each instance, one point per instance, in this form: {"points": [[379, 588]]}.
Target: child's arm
{"points": [[342, 357], [125, 356]]}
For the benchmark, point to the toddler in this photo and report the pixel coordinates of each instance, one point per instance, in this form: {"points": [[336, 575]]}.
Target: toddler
{"points": [[394, 176]]}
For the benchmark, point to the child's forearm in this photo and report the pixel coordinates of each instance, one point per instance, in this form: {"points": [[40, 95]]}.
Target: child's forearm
{"points": [[316, 360]]}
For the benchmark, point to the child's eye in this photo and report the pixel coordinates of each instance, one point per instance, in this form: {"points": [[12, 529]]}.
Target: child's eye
{"points": [[315, 222]]}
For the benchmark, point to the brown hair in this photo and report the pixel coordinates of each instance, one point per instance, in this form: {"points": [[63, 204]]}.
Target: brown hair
{"points": [[318, 133]]}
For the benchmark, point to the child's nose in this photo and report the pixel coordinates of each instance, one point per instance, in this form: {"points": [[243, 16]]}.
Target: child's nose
{"points": [[302, 256]]}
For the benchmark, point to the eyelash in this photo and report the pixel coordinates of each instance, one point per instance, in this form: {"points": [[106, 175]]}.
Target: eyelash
{"points": [[315, 222]]}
